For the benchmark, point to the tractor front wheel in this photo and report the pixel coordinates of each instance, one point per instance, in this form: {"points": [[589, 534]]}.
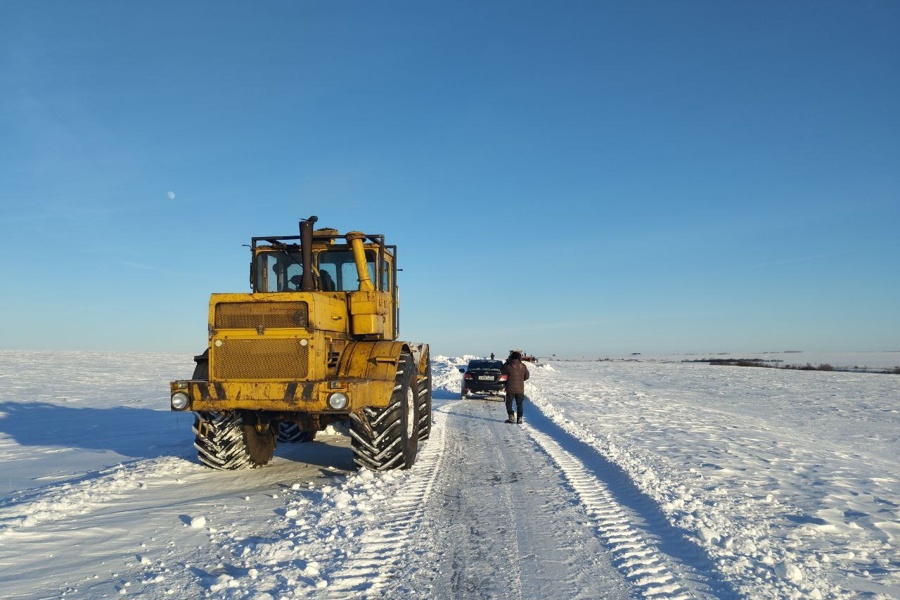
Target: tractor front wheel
{"points": [[225, 442], [219, 440], [388, 438]]}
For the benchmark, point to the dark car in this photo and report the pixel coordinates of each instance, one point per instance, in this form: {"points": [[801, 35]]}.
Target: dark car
{"points": [[483, 377]]}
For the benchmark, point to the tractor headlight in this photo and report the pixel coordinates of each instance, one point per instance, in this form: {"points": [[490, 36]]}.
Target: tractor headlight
{"points": [[338, 401], [180, 401]]}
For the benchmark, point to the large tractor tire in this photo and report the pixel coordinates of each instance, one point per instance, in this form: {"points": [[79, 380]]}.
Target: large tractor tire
{"points": [[223, 441], [220, 440], [388, 438], [290, 433], [425, 404]]}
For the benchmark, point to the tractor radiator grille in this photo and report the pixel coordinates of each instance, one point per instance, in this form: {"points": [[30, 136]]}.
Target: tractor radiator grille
{"points": [[253, 315], [262, 358]]}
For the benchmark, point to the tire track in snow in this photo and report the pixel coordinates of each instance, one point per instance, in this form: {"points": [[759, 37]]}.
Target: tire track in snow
{"points": [[489, 531], [494, 530], [383, 548], [634, 538]]}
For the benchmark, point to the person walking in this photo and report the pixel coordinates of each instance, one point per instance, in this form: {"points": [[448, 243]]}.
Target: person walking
{"points": [[516, 374]]}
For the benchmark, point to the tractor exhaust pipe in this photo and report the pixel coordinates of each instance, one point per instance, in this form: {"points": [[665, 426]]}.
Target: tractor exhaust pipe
{"points": [[359, 256], [307, 281]]}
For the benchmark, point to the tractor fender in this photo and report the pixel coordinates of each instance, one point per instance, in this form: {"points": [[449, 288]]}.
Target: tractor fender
{"points": [[421, 356], [370, 360], [369, 369]]}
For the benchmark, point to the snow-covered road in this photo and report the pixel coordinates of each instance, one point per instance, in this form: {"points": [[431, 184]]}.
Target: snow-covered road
{"points": [[527, 512], [651, 479]]}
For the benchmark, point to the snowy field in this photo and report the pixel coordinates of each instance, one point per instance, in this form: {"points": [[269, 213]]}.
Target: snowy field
{"points": [[651, 478]]}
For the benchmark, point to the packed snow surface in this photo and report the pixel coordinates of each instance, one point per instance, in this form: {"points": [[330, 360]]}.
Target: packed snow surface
{"points": [[646, 478]]}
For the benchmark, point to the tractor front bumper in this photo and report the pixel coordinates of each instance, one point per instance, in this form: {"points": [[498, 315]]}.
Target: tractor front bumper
{"points": [[327, 396]]}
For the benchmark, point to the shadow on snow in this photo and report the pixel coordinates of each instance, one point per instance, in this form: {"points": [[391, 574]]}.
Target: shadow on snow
{"points": [[131, 432], [137, 433]]}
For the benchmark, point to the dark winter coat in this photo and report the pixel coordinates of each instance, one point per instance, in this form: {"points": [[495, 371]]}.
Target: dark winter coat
{"points": [[516, 374]]}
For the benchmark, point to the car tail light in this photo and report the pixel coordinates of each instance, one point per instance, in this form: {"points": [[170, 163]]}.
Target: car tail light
{"points": [[503, 378], [467, 376]]}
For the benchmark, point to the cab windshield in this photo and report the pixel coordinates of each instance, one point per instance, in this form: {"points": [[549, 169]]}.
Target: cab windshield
{"points": [[282, 271]]}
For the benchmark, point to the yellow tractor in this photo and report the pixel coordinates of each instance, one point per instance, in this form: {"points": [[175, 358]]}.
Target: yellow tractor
{"points": [[313, 344]]}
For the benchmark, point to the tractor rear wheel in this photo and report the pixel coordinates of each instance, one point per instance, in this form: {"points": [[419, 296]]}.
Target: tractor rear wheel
{"points": [[290, 433], [388, 438]]}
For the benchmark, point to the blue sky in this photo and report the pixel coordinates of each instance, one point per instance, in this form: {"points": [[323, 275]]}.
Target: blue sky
{"points": [[571, 178]]}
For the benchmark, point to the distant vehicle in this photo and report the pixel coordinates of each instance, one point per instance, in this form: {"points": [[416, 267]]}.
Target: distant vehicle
{"points": [[525, 356], [483, 378]]}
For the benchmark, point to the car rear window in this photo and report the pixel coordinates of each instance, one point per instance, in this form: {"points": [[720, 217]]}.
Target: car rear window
{"points": [[485, 364]]}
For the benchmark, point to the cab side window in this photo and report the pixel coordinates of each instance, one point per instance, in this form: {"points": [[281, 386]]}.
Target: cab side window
{"points": [[278, 272]]}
